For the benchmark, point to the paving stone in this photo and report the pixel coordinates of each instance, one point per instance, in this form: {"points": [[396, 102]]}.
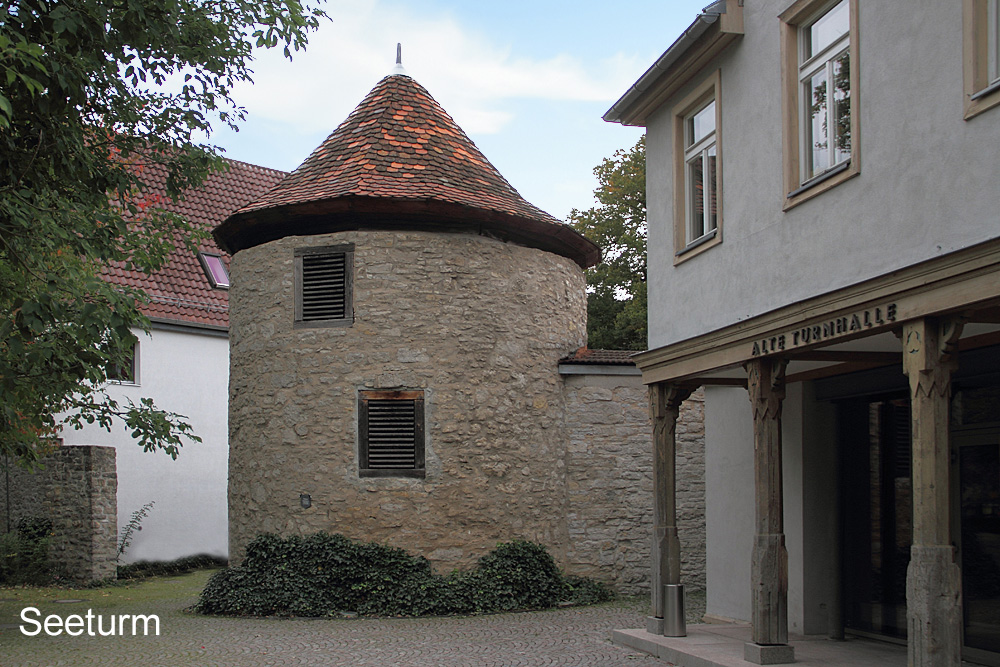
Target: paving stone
{"points": [[576, 636]]}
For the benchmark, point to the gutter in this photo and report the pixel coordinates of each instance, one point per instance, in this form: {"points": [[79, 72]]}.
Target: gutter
{"points": [[708, 16], [181, 326]]}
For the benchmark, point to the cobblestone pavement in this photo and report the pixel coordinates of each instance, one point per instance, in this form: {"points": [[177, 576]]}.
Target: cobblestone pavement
{"points": [[577, 637]]}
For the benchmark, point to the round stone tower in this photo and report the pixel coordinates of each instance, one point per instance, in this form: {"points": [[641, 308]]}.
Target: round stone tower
{"points": [[397, 314]]}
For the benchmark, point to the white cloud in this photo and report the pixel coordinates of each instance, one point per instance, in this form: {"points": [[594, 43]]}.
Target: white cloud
{"points": [[469, 74]]}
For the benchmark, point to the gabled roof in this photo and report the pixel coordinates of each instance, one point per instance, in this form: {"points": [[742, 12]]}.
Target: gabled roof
{"points": [[181, 292], [713, 30], [400, 161]]}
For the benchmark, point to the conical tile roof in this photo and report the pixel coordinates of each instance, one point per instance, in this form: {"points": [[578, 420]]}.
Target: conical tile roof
{"points": [[400, 161]]}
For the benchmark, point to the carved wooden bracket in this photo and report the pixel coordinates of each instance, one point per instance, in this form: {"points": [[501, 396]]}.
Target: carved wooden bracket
{"points": [[930, 348], [766, 386]]}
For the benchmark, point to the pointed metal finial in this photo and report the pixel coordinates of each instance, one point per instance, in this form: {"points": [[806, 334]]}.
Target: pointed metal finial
{"points": [[398, 69]]}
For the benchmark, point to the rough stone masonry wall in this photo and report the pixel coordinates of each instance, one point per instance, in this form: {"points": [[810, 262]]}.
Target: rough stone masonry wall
{"points": [[610, 482], [478, 324], [76, 488]]}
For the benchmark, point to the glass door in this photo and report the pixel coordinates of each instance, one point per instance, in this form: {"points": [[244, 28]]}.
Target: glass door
{"points": [[877, 504], [978, 506], [975, 438]]}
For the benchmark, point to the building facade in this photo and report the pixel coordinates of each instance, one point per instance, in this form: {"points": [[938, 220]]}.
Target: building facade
{"points": [[404, 358], [183, 365], [824, 259]]}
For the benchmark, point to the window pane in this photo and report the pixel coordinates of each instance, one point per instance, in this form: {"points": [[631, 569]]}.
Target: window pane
{"points": [[701, 124], [842, 107], [124, 373], [817, 146], [218, 269], [712, 199], [827, 30], [696, 195]]}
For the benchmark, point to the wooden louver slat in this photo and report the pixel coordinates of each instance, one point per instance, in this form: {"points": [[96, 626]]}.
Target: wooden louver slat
{"points": [[391, 434], [324, 287]]}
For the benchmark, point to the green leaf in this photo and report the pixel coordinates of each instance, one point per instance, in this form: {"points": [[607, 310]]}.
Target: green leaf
{"points": [[77, 125]]}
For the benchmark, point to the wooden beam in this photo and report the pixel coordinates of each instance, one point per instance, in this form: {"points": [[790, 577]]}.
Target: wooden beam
{"points": [[769, 567], [982, 340], [664, 405], [933, 580], [718, 382], [990, 315], [830, 371], [881, 358]]}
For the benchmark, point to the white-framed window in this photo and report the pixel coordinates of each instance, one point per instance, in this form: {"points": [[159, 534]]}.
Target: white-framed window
{"points": [[819, 47], [128, 372], [700, 172], [697, 168], [825, 91]]}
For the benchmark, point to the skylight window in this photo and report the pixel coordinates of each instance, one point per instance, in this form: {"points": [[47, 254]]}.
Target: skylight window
{"points": [[215, 269]]}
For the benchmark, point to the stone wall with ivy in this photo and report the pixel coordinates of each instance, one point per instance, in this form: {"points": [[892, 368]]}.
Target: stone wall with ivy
{"points": [[76, 489], [475, 324], [513, 449]]}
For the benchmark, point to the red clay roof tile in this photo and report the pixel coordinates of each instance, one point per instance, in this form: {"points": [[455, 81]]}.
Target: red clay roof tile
{"points": [[399, 146], [181, 292], [600, 357]]}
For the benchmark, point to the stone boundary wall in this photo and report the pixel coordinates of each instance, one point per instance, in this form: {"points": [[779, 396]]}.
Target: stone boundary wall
{"points": [[609, 471], [76, 488]]}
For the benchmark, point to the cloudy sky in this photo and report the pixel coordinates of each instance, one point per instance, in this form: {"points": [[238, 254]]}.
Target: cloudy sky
{"points": [[527, 81]]}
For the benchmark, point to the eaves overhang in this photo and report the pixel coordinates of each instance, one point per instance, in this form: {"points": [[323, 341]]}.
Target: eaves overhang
{"points": [[350, 213], [718, 25], [963, 282]]}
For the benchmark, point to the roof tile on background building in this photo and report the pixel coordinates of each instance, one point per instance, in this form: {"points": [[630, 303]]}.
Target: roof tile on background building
{"points": [[181, 292], [600, 357]]}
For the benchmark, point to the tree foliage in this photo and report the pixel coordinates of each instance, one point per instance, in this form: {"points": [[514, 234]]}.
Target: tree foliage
{"points": [[95, 95], [616, 300]]}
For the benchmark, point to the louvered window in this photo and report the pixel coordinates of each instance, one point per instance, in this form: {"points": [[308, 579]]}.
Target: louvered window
{"points": [[391, 433], [324, 286]]}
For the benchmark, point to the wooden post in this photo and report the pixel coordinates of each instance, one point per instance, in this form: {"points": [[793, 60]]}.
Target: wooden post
{"points": [[933, 579], [665, 401], [769, 569]]}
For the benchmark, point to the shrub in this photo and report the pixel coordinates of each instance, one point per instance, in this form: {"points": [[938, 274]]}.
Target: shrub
{"points": [[24, 553], [316, 575], [323, 575], [584, 591], [515, 575]]}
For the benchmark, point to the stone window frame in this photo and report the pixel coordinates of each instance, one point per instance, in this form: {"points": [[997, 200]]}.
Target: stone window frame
{"points": [[345, 249], [705, 93], [419, 432], [794, 21], [981, 55]]}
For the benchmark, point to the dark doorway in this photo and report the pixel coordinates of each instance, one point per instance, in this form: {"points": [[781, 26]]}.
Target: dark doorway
{"points": [[877, 514], [975, 440]]}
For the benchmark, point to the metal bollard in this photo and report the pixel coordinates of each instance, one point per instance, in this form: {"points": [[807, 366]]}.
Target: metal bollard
{"points": [[674, 624]]}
